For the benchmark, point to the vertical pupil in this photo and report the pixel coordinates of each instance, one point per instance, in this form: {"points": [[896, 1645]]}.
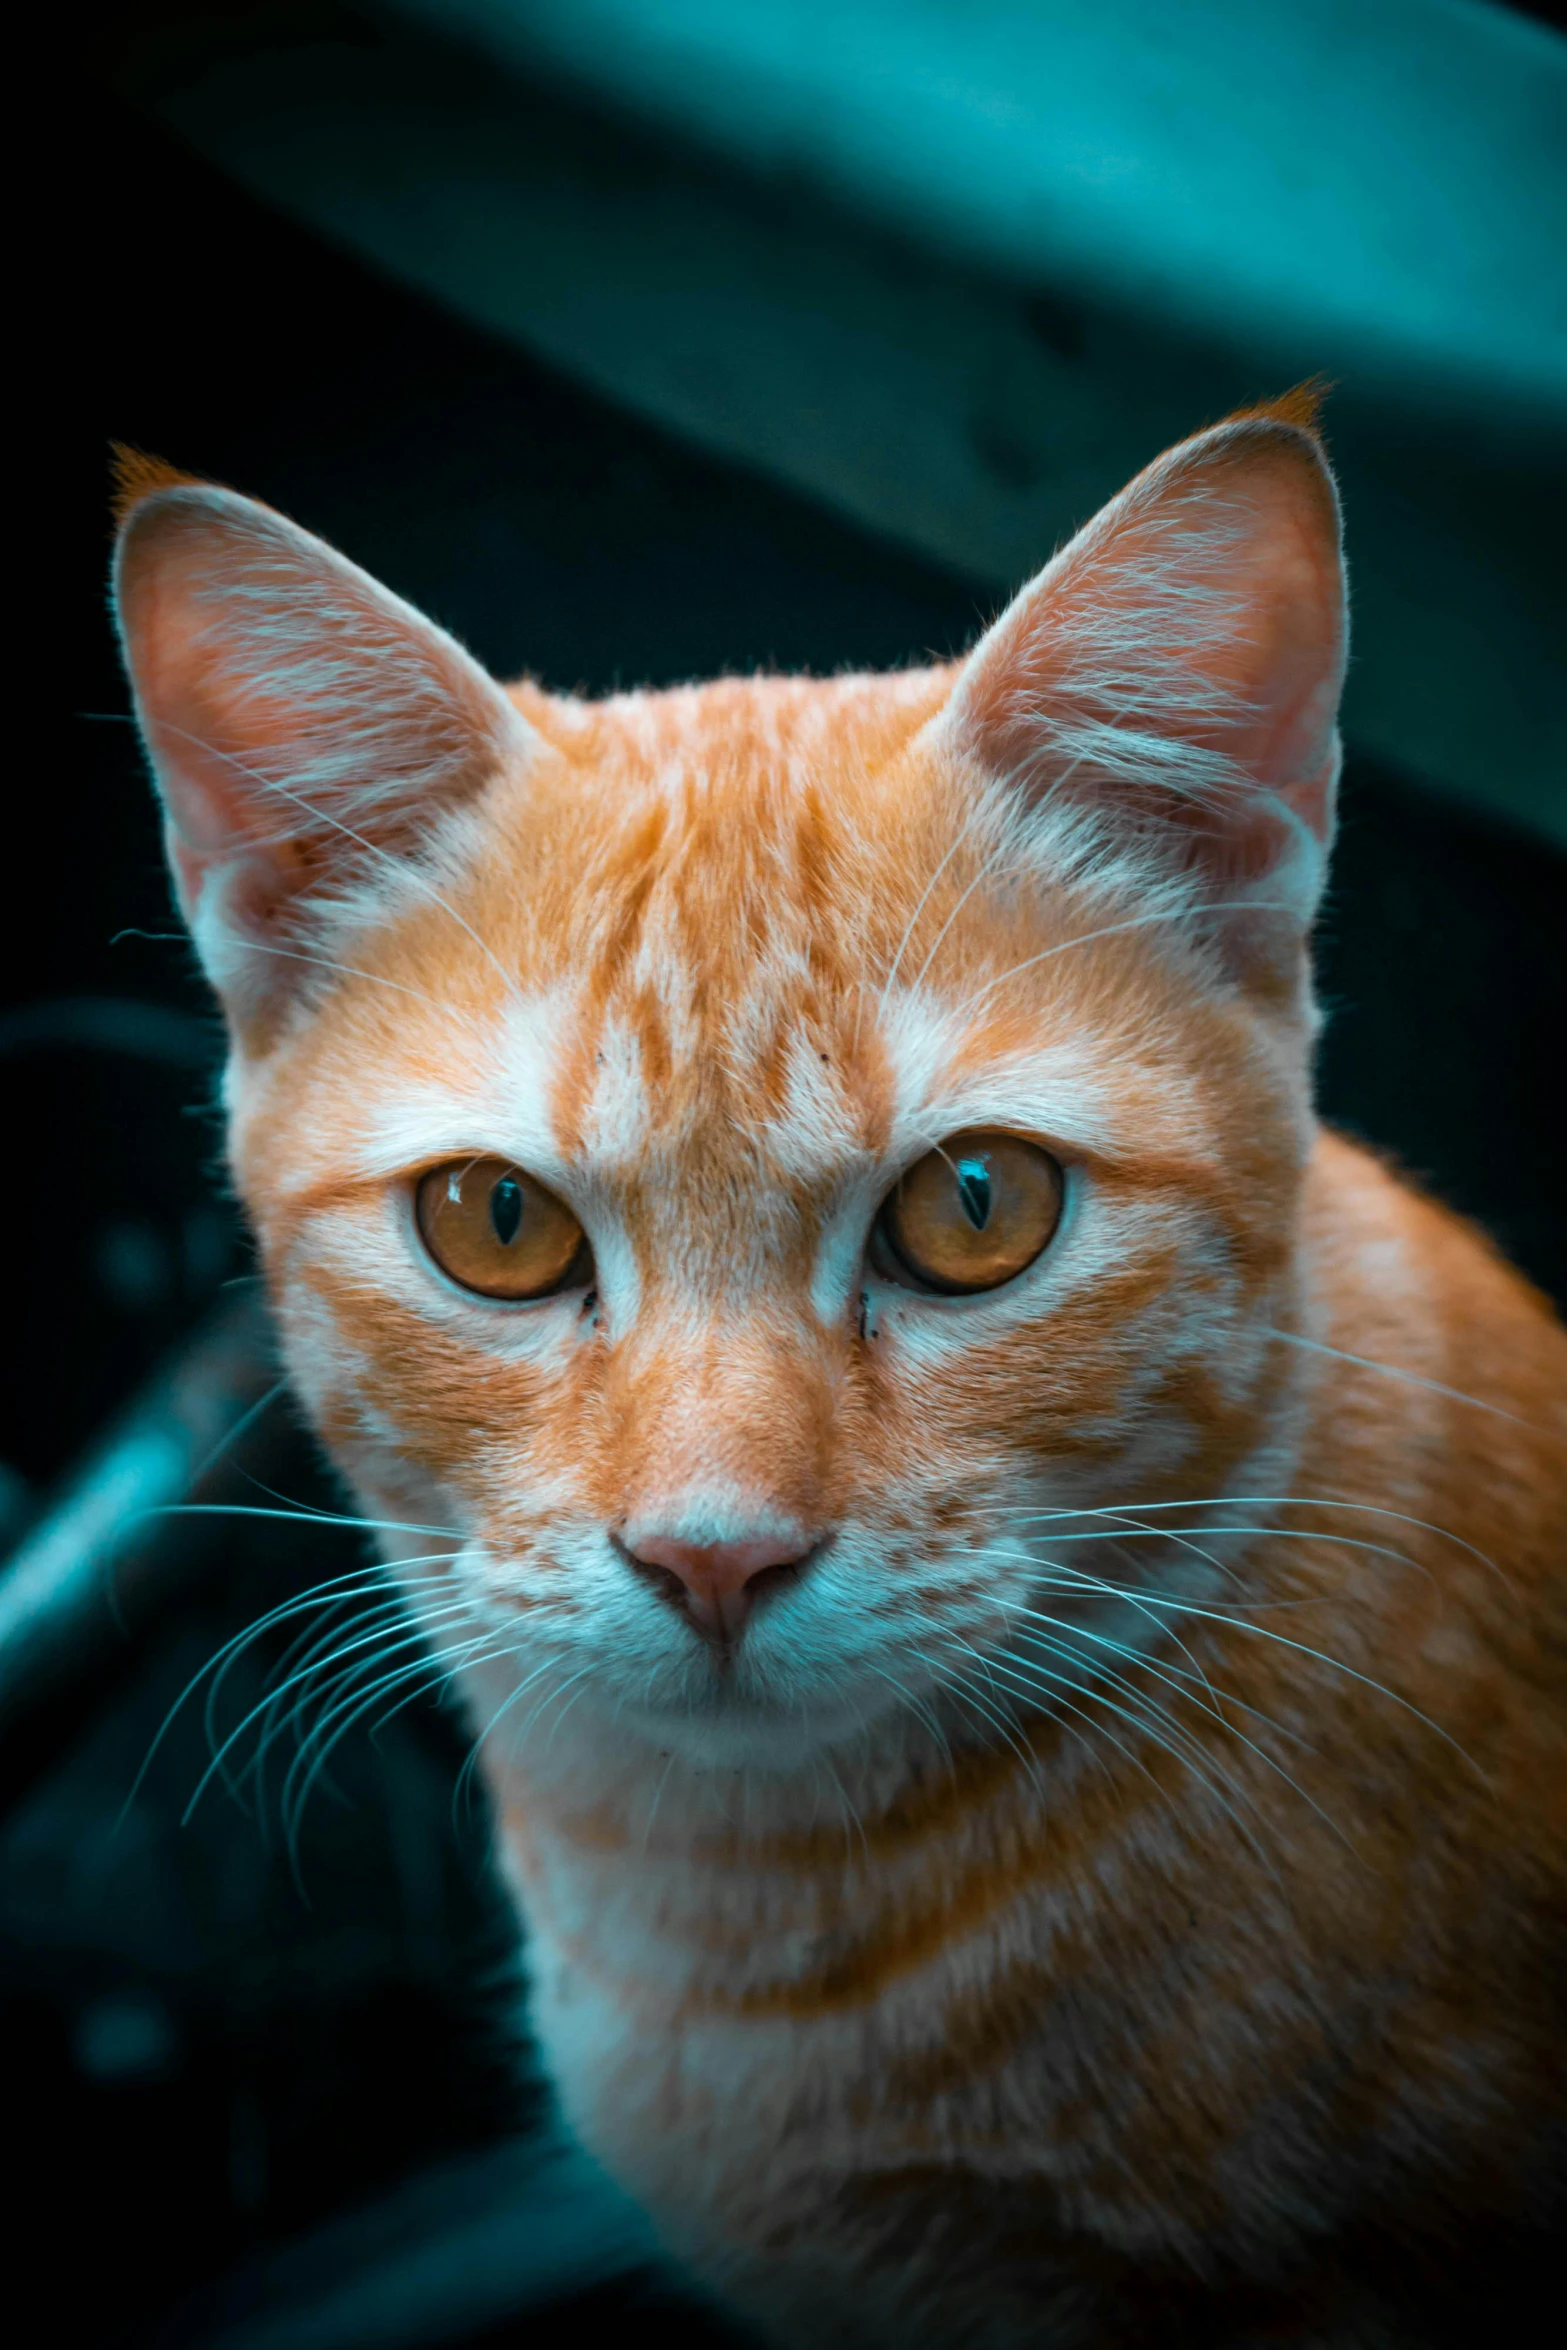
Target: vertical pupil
{"points": [[506, 1209], [974, 1191]]}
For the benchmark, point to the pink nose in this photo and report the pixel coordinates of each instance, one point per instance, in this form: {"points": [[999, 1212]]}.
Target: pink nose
{"points": [[718, 1583]]}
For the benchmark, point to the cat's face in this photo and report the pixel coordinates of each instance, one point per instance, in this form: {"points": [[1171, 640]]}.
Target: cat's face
{"points": [[746, 1172]]}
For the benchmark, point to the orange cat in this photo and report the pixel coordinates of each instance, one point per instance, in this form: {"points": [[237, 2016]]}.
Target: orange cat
{"points": [[1015, 1590]]}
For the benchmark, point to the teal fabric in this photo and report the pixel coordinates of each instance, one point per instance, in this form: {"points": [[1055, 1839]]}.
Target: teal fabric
{"points": [[1371, 183], [959, 270]]}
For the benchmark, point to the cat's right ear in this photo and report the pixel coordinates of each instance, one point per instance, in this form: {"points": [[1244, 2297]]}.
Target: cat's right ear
{"points": [[306, 727]]}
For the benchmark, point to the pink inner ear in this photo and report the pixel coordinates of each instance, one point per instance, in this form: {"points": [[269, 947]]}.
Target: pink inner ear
{"points": [[1284, 670], [1288, 666], [304, 724], [1183, 657], [276, 682], [220, 751]]}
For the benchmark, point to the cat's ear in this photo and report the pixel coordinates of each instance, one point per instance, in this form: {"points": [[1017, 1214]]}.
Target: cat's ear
{"points": [[1176, 671], [306, 727]]}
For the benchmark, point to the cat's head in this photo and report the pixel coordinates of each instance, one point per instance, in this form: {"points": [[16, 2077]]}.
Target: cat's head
{"points": [[750, 1167]]}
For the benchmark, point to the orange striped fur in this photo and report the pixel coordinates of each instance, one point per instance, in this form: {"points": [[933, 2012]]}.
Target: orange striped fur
{"points": [[1115, 1889]]}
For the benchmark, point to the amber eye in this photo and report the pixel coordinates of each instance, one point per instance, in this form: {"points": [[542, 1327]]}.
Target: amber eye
{"points": [[971, 1214], [495, 1230]]}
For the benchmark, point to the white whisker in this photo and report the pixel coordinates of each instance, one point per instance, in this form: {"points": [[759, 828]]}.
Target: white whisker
{"points": [[1180, 914], [406, 868], [1410, 1378]]}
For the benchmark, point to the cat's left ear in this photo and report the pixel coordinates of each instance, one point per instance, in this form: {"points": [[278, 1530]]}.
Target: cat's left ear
{"points": [[1174, 676], [308, 730]]}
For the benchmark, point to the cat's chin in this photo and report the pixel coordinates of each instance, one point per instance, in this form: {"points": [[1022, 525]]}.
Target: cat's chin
{"points": [[728, 1727], [741, 1735]]}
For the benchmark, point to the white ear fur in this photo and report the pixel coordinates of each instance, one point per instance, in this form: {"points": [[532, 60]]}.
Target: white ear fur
{"points": [[305, 726], [1175, 672]]}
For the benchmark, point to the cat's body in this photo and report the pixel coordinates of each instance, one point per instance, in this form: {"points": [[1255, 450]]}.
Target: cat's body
{"points": [[1070, 2007], [1040, 1801]]}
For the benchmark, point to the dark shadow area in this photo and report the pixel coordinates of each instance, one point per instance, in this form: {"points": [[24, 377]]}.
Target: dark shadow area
{"points": [[218, 2036]]}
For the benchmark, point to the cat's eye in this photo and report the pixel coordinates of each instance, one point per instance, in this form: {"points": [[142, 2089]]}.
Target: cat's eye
{"points": [[492, 1228], [971, 1214]]}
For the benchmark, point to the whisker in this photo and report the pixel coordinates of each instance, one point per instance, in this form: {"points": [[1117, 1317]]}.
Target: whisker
{"points": [[969, 821], [658, 1793], [428, 1671], [1147, 1721], [323, 1599], [1241, 1623], [341, 1665], [1174, 1674], [850, 1810], [1212, 1709], [242, 1427], [504, 1709], [1096, 1725], [987, 872], [521, 1729], [1129, 1529], [256, 946], [1113, 930], [573, 1683], [292, 1668], [914, 1705], [414, 1680], [406, 868], [274, 1697], [1029, 1761], [1102, 1671], [368, 1576], [1410, 1378], [1074, 1579], [294, 1513], [1323, 1501]]}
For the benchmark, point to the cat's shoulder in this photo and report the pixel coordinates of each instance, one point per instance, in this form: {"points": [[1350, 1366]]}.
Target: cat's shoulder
{"points": [[1437, 1349], [1363, 1208]]}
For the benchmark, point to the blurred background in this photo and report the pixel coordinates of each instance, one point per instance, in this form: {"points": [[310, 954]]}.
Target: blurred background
{"points": [[637, 340]]}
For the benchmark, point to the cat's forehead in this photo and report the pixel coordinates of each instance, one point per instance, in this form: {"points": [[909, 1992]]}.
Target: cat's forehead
{"points": [[711, 866], [747, 927], [738, 730], [725, 872]]}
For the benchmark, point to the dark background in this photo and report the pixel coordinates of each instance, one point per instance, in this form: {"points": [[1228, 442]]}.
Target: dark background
{"points": [[213, 2042]]}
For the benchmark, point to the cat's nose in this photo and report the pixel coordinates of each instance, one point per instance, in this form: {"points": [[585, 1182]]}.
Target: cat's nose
{"points": [[718, 1583]]}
